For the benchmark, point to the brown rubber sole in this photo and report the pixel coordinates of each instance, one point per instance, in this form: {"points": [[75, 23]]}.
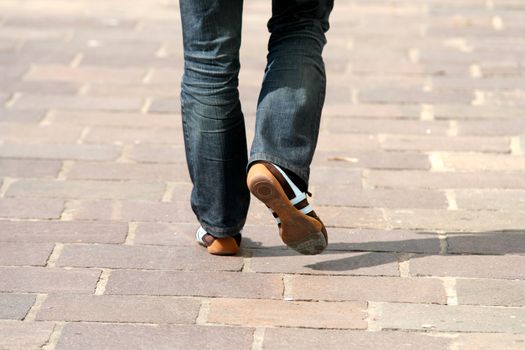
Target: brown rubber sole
{"points": [[298, 231], [223, 246]]}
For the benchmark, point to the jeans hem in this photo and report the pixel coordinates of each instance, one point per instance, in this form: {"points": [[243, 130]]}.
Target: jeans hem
{"points": [[220, 232], [299, 171]]}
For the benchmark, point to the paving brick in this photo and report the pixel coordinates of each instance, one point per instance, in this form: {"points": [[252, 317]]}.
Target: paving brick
{"points": [[179, 211], [59, 151], [371, 111], [165, 105], [24, 133], [506, 127], [146, 257], [375, 126], [379, 198], [337, 176], [9, 115], [337, 288], [17, 335], [24, 253], [135, 136], [474, 112], [15, 306], [490, 292], [87, 189], [211, 284], [48, 280], [62, 231], [329, 141], [158, 154], [351, 217], [290, 338], [490, 162], [29, 167], [412, 95], [127, 171], [69, 102], [115, 118], [179, 234], [493, 266], [489, 242], [119, 308], [372, 160], [31, 208], [330, 263], [250, 312], [84, 74], [443, 318], [142, 90], [491, 199], [440, 143], [113, 336], [455, 220], [487, 341], [445, 180]]}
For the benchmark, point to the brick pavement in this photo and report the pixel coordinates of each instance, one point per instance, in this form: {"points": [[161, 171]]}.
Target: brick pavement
{"points": [[420, 174]]}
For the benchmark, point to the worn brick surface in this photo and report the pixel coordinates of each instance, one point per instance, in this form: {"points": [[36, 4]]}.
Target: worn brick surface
{"points": [[288, 313], [15, 306], [418, 174], [118, 308], [290, 338], [460, 318], [62, 231], [112, 336], [410, 290], [225, 284], [24, 335], [48, 280]]}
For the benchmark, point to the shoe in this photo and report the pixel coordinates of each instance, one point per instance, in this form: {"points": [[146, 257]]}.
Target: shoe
{"points": [[299, 227], [218, 246]]}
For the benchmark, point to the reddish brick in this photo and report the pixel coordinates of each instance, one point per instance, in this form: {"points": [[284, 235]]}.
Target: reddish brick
{"points": [[351, 217], [31, 208], [179, 234], [62, 231], [26, 133], [48, 280], [25, 253], [117, 119], [442, 143], [146, 257], [68, 102], [87, 189], [29, 168], [292, 338], [127, 171], [330, 263], [86, 336], [410, 290], [372, 160], [24, 335], [135, 136], [411, 95], [84, 74], [402, 198], [490, 162], [455, 220], [158, 154], [119, 308], [473, 341], [139, 90], [179, 211], [251, 312], [493, 266], [446, 318], [59, 151], [445, 180], [15, 306], [347, 142], [491, 292], [212, 284]]}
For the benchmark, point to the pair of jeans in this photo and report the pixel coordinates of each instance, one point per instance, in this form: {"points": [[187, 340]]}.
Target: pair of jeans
{"points": [[288, 109]]}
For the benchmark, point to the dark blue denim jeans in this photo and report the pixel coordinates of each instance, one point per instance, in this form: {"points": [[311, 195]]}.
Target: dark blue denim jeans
{"points": [[288, 110]]}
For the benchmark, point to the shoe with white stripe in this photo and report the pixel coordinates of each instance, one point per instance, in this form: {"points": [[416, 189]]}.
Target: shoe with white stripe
{"points": [[299, 227], [218, 245]]}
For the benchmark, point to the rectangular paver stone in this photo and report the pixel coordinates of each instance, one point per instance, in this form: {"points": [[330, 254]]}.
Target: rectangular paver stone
{"points": [[16, 335], [249, 312], [24, 253], [490, 292], [15, 306], [119, 308]]}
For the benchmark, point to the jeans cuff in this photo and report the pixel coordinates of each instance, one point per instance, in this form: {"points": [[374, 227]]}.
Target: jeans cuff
{"points": [[220, 232], [299, 171]]}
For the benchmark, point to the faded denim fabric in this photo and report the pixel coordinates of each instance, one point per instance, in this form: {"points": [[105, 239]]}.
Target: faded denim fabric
{"points": [[288, 111]]}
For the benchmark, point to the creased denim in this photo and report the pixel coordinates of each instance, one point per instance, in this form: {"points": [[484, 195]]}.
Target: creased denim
{"points": [[288, 111]]}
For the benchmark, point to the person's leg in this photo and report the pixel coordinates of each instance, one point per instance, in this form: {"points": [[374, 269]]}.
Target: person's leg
{"points": [[213, 124], [293, 90]]}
